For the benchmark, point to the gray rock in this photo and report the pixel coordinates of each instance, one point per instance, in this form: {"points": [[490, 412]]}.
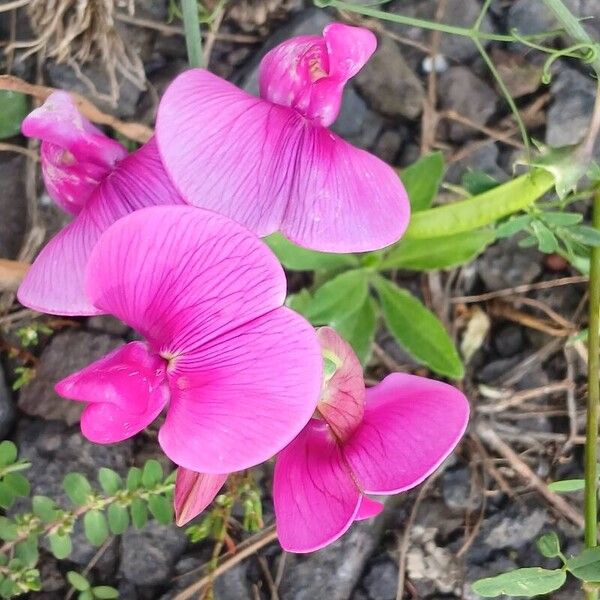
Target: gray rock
{"points": [[462, 91], [149, 555], [108, 324], [389, 84], [381, 581], [353, 112], [67, 352], [485, 159], [456, 490], [513, 528], [461, 13], [389, 144], [13, 205], [573, 101], [7, 408], [508, 340], [234, 584]]}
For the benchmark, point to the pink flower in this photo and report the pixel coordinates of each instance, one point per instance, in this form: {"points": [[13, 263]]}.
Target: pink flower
{"points": [[240, 373], [406, 427], [92, 177], [270, 163]]}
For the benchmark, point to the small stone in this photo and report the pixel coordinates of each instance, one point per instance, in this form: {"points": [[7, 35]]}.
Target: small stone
{"points": [[513, 528], [457, 491], [12, 206], [381, 581], [67, 353], [352, 115], [389, 84], [462, 91], [508, 340], [7, 408], [108, 324], [388, 145], [234, 584], [149, 555]]}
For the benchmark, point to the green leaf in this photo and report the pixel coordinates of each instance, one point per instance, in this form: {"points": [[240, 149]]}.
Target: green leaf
{"points": [[6, 495], [586, 566], [8, 451], [477, 182], [422, 180], [513, 225], [44, 508], [532, 581], [79, 582], [418, 330], [13, 109], [105, 592], [567, 485], [549, 545], [438, 253], [161, 509], [87, 595], [358, 329], [60, 545], [18, 484], [134, 479], [8, 530], [139, 512], [27, 551], [152, 474], [118, 518], [299, 302], [561, 219], [546, 239], [586, 235], [110, 480], [338, 298], [78, 488], [95, 527], [301, 259]]}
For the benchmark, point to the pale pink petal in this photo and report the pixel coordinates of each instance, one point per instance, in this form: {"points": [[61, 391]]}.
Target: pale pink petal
{"points": [[55, 282], [267, 167], [411, 424], [194, 492], [75, 155], [368, 509], [315, 498], [125, 392], [308, 73], [239, 399], [183, 276], [342, 399]]}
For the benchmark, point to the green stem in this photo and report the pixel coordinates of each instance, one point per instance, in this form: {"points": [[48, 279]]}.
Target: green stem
{"points": [[573, 27], [591, 436], [193, 39]]}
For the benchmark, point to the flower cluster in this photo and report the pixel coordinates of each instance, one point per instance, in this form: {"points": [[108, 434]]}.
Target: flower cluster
{"points": [[167, 239]]}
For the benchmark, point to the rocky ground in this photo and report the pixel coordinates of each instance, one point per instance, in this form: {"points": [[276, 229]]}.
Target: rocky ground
{"points": [[479, 516]]}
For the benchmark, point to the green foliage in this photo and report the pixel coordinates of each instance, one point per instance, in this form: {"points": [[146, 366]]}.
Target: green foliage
{"points": [[586, 566], [549, 545], [13, 109], [24, 376], [533, 581], [567, 485], [422, 180], [87, 592], [29, 335]]}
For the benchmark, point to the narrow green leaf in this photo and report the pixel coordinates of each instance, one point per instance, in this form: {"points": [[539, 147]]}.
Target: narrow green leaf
{"points": [[105, 592], [95, 527], [586, 566], [161, 509], [77, 487], [8, 452], [44, 508], [118, 518], [338, 298], [513, 225], [561, 219], [79, 582], [358, 329], [152, 474], [422, 180], [60, 545], [110, 480], [549, 545], [134, 479], [6, 495], [567, 485], [301, 259], [439, 253], [546, 239], [532, 581], [13, 109], [477, 182], [139, 512], [586, 235], [418, 330], [18, 484]]}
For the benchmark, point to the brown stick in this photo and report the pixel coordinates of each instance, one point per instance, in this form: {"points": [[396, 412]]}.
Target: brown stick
{"points": [[11, 274], [134, 131]]}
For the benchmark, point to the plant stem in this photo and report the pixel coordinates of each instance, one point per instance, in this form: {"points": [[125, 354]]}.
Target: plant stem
{"points": [[591, 436], [193, 39]]}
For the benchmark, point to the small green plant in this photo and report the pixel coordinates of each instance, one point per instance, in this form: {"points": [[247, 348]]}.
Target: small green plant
{"points": [[88, 592], [29, 335]]}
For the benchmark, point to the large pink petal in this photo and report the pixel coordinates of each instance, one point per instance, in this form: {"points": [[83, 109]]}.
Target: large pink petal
{"points": [[411, 424], [240, 398], [55, 282], [75, 155], [267, 167], [194, 492], [349, 49], [182, 276], [315, 498], [125, 392], [342, 399]]}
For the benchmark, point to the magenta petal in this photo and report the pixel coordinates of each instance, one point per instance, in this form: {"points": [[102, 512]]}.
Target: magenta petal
{"points": [[75, 155], [342, 399], [368, 509], [349, 49], [267, 167], [55, 282], [315, 498], [194, 492], [239, 399], [125, 392], [411, 424]]}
